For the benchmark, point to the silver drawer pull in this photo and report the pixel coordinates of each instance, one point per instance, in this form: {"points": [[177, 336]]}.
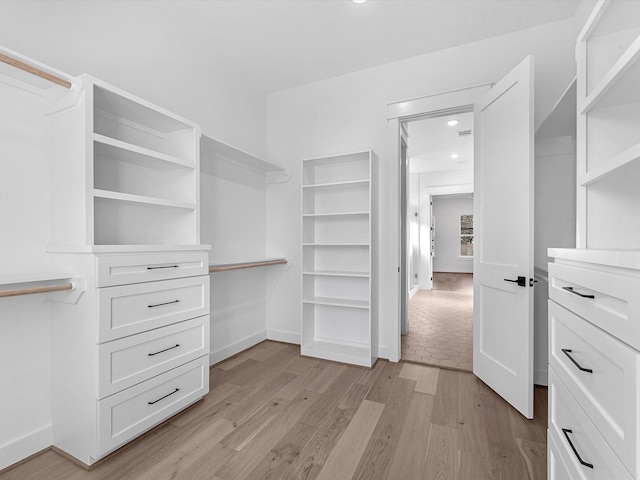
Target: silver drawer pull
{"points": [[567, 351], [166, 266], [165, 350], [165, 303], [566, 432], [162, 398], [583, 295]]}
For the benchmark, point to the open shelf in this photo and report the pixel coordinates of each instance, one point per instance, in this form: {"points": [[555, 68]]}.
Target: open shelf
{"points": [[337, 273], [353, 354], [337, 302], [626, 158], [335, 214], [217, 150], [620, 84], [224, 267], [128, 152], [141, 200], [337, 184]]}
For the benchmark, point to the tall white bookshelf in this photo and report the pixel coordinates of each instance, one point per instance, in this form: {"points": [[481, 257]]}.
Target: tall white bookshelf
{"points": [[339, 258]]}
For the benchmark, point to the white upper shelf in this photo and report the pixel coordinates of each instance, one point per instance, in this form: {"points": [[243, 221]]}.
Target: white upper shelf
{"points": [[215, 149]]}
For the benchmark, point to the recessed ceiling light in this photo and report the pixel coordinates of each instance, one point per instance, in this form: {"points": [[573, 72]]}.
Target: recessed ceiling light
{"points": [[358, 1], [451, 123], [455, 155]]}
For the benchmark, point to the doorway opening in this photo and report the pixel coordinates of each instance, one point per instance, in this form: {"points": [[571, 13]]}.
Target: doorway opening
{"points": [[438, 329]]}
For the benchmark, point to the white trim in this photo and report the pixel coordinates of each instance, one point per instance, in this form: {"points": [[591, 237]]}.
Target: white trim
{"points": [[541, 377], [24, 446], [237, 347], [383, 353], [283, 336], [454, 269]]}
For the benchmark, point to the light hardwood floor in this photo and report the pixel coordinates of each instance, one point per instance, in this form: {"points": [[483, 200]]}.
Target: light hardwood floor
{"points": [[272, 414]]}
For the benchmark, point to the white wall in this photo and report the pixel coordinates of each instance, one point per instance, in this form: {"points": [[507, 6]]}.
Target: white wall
{"points": [[349, 113], [25, 415], [447, 211], [555, 220], [233, 221]]}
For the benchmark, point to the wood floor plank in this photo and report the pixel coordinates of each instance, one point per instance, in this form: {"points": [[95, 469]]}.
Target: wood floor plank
{"points": [[443, 454], [463, 431], [278, 462], [376, 459], [344, 458], [411, 455]]}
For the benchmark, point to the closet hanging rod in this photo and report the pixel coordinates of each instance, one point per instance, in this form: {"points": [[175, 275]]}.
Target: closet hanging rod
{"points": [[239, 266], [34, 71], [29, 291]]}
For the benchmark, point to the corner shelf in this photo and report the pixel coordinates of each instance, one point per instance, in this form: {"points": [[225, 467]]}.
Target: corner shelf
{"points": [[222, 151]]}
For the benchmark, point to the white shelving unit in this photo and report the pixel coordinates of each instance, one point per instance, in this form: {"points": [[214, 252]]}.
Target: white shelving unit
{"points": [[133, 349], [339, 241], [608, 54], [124, 172], [593, 307]]}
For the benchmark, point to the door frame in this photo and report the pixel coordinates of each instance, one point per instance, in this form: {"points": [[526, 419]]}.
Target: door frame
{"points": [[399, 112]]}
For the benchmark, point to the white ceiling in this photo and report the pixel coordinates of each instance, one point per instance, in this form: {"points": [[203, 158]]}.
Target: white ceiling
{"points": [[264, 45], [432, 142]]}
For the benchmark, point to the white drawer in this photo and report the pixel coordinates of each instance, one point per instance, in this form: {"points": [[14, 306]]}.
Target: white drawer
{"points": [[148, 267], [127, 414], [131, 309], [607, 394], [556, 468], [133, 359], [578, 439], [616, 304]]}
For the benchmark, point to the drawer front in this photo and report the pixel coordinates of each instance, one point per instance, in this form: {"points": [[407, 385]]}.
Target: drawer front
{"points": [[556, 468], [607, 394], [131, 309], [127, 414], [131, 360], [114, 270], [615, 306], [572, 429]]}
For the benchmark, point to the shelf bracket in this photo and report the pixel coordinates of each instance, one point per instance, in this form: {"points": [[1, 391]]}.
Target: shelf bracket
{"points": [[278, 177]]}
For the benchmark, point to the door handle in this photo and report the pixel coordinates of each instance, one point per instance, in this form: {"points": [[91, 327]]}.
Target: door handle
{"points": [[521, 281]]}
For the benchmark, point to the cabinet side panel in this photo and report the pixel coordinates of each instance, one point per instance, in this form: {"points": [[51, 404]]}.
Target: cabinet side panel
{"points": [[69, 176]]}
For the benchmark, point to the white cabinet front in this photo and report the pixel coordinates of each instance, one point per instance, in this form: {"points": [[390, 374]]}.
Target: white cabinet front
{"points": [[131, 309]]}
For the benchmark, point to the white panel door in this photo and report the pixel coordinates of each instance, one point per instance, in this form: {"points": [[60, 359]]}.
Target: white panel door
{"points": [[503, 209]]}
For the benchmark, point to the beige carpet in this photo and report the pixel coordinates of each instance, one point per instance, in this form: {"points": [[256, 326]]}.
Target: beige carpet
{"points": [[440, 329]]}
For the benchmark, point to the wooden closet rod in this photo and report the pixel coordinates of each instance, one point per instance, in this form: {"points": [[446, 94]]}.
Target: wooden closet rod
{"points": [[34, 71], [29, 291], [238, 266]]}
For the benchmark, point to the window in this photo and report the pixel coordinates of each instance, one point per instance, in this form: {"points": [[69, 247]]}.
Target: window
{"points": [[466, 235]]}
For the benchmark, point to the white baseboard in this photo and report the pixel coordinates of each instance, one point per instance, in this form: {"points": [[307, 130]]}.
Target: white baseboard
{"points": [[383, 352], [25, 446], [283, 336], [541, 377], [237, 347]]}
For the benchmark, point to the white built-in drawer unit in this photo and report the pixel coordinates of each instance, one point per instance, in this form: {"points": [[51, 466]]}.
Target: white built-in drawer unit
{"points": [[583, 450], [131, 309], [128, 413], [131, 360], [556, 468], [149, 267], [594, 361]]}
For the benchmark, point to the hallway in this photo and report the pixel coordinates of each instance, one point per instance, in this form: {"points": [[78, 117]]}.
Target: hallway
{"points": [[441, 323]]}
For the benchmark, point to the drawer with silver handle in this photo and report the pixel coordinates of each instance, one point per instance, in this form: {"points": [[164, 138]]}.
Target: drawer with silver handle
{"points": [[149, 267], [579, 443], [131, 360], [126, 414], [601, 373], [130, 309]]}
